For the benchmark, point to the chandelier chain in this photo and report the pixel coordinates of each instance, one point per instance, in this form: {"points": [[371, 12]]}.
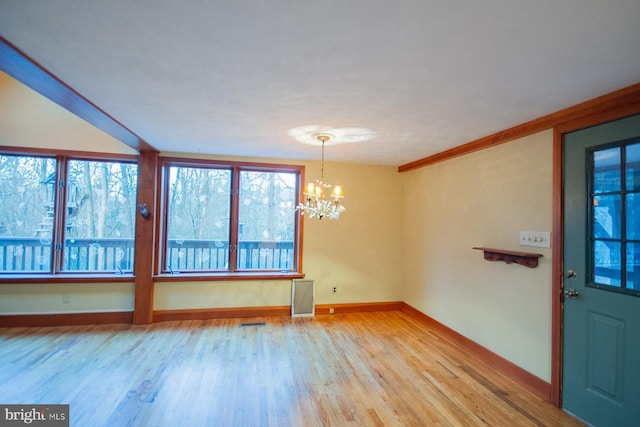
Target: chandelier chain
{"points": [[317, 204], [322, 164]]}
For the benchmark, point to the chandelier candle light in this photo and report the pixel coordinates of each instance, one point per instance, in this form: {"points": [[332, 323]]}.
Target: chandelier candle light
{"points": [[316, 205]]}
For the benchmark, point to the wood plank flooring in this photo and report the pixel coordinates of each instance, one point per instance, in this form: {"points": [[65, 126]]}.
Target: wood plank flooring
{"points": [[363, 369]]}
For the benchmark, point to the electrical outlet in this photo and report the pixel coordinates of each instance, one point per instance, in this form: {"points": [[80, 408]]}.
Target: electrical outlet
{"points": [[66, 299], [331, 311], [541, 239], [335, 289]]}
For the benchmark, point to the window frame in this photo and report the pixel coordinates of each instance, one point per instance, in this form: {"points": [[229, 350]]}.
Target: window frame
{"points": [[623, 240], [56, 272], [163, 274]]}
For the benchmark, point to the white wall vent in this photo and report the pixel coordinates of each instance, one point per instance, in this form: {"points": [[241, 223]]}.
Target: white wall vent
{"points": [[303, 298]]}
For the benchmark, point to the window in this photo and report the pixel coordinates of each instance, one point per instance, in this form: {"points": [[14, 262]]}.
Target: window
{"points": [[90, 232], [27, 187], [99, 216], [227, 218], [615, 218]]}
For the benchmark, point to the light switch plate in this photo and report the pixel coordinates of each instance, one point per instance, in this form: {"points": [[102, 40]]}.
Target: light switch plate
{"points": [[541, 239]]}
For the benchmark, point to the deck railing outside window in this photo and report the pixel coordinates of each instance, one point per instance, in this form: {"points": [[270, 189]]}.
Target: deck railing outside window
{"points": [[32, 254]]}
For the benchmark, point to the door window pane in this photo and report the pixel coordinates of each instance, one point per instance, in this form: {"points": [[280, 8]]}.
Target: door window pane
{"points": [[633, 167], [267, 220], [615, 218], [606, 216], [607, 263], [99, 216], [633, 266], [633, 216], [27, 202], [606, 170], [198, 208]]}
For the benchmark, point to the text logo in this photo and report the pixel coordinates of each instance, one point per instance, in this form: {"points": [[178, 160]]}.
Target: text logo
{"points": [[34, 415]]}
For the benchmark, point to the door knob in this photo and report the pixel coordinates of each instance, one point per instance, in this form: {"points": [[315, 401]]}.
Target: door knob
{"points": [[571, 274], [571, 293]]}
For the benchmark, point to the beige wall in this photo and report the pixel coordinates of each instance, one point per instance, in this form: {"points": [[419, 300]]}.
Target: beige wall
{"points": [[483, 199], [47, 298], [28, 119]]}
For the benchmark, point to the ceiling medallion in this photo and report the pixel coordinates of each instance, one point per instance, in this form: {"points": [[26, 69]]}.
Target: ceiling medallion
{"points": [[308, 134]]}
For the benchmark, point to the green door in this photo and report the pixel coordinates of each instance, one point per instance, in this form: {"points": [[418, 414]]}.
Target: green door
{"points": [[601, 307]]}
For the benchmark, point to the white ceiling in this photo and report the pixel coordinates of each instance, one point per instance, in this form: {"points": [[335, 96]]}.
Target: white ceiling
{"points": [[233, 77]]}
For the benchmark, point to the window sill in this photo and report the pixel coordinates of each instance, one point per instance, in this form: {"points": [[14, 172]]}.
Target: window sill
{"points": [[129, 278], [66, 278], [210, 277]]}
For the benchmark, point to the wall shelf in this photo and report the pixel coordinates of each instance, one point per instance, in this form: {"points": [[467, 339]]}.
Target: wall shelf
{"points": [[527, 259]]}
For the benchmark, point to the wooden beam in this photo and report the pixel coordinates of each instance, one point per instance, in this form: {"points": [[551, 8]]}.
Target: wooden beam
{"points": [[145, 247]]}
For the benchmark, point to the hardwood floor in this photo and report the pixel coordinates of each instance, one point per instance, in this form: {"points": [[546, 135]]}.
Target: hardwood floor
{"points": [[362, 369]]}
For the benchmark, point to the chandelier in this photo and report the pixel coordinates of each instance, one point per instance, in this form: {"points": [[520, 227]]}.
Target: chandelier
{"points": [[316, 204]]}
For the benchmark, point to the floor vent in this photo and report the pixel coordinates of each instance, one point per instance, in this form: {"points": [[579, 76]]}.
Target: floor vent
{"points": [[253, 324]]}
